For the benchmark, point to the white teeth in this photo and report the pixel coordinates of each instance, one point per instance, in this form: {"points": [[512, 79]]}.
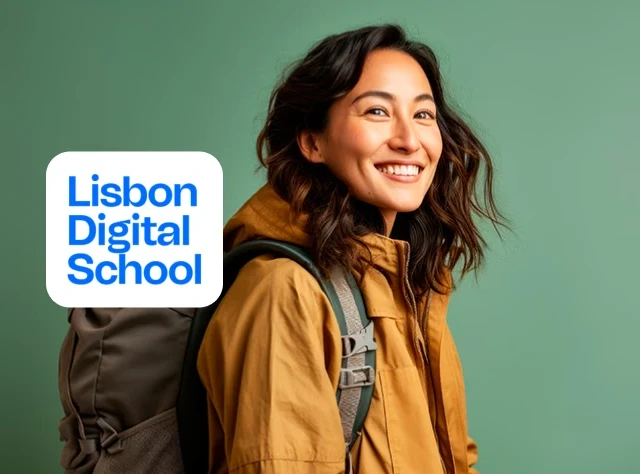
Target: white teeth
{"points": [[402, 170]]}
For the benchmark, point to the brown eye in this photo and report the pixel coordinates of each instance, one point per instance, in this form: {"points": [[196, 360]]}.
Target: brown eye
{"points": [[377, 111], [425, 115]]}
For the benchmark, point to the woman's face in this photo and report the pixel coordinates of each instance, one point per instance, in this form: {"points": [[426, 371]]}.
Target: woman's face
{"points": [[382, 138]]}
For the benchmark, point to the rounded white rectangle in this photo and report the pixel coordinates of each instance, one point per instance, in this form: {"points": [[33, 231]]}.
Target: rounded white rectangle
{"points": [[134, 229]]}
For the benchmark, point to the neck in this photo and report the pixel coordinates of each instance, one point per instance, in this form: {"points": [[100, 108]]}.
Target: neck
{"points": [[389, 219]]}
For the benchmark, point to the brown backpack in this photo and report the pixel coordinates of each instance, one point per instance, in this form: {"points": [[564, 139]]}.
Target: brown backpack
{"points": [[119, 377]]}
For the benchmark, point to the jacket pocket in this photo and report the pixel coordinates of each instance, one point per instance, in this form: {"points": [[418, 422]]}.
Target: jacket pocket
{"points": [[410, 432]]}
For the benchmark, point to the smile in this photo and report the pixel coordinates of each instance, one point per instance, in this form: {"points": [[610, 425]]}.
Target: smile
{"points": [[400, 170]]}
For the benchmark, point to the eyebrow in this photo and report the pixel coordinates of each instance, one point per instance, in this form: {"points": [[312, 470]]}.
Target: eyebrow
{"points": [[391, 97]]}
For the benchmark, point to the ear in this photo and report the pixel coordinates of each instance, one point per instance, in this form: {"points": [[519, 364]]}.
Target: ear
{"points": [[310, 146]]}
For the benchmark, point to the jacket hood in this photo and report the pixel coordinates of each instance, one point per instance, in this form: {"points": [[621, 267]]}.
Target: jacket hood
{"points": [[265, 215]]}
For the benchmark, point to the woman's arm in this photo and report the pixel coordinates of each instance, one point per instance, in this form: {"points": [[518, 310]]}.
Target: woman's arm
{"points": [[270, 364]]}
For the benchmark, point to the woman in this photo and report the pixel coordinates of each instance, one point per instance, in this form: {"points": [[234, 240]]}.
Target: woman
{"points": [[370, 169]]}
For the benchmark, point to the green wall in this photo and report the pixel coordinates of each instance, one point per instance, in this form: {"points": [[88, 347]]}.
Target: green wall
{"points": [[547, 334]]}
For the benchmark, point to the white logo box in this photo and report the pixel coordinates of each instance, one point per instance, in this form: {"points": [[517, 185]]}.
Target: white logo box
{"points": [[134, 229]]}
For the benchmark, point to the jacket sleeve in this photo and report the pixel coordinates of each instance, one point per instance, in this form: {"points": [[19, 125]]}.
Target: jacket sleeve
{"points": [[471, 446], [270, 364], [472, 455]]}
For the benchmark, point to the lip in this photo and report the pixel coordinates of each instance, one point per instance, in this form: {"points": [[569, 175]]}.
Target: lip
{"points": [[401, 178]]}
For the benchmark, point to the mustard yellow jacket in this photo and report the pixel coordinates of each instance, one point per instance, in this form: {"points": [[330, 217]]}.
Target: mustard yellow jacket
{"points": [[271, 359]]}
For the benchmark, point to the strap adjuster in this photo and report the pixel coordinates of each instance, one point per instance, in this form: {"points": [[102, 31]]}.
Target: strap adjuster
{"points": [[358, 343], [357, 377], [110, 440]]}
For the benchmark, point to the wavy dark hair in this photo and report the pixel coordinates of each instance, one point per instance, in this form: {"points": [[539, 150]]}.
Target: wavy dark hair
{"points": [[440, 231]]}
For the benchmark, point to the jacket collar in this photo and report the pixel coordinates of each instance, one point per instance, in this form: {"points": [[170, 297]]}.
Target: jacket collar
{"points": [[268, 215]]}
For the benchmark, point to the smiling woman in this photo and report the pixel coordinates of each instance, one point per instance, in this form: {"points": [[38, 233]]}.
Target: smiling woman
{"points": [[373, 173]]}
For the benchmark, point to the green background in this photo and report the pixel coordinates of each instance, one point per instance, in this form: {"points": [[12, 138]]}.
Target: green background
{"points": [[547, 334]]}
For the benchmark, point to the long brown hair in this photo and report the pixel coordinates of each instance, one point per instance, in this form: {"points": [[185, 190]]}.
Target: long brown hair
{"points": [[440, 231]]}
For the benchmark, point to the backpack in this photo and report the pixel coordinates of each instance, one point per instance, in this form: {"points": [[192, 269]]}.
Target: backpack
{"points": [[132, 397]]}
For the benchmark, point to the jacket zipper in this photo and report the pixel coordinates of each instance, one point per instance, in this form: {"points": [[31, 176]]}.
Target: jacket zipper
{"points": [[420, 350]]}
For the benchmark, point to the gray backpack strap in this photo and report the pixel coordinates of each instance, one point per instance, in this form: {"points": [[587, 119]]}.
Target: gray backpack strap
{"points": [[358, 373]]}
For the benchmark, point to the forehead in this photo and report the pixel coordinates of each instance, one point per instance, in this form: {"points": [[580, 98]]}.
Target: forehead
{"points": [[392, 71]]}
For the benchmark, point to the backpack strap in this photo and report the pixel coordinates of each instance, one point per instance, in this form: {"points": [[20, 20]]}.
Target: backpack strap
{"points": [[358, 372]]}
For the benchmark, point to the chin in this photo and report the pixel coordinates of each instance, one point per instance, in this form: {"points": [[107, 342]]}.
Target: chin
{"points": [[407, 209], [404, 202], [403, 207]]}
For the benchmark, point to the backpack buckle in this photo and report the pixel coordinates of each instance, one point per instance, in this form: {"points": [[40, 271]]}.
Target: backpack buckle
{"points": [[358, 343], [357, 377], [110, 440]]}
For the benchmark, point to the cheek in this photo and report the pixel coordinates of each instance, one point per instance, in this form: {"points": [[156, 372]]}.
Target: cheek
{"points": [[357, 139], [433, 144]]}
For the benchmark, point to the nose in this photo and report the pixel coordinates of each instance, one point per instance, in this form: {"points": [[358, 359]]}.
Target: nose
{"points": [[403, 137]]}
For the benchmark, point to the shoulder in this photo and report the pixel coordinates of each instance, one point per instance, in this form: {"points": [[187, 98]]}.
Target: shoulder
{"points": [[276, 276], [275, 288], [273, 306], [277, 271]]}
